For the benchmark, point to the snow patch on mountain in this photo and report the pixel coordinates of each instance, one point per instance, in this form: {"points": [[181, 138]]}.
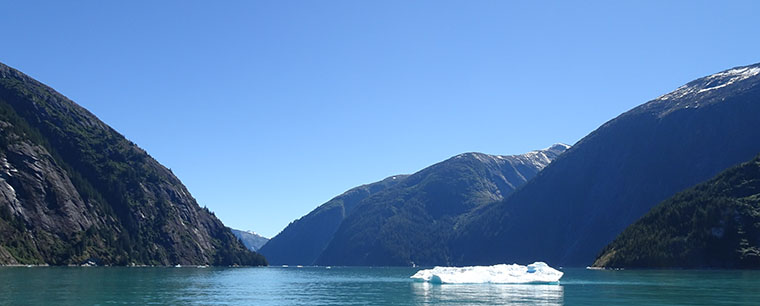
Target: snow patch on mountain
{"points": [[538, 158], [250, 239], [712, 82], [704, 91]]}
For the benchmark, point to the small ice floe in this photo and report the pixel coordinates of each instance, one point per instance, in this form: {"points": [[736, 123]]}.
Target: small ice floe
{"points": [[178, 266], [603, 268], [535, 273]]}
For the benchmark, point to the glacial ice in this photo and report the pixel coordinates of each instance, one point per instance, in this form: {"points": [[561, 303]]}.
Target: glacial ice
{"points": [[536, 273]]}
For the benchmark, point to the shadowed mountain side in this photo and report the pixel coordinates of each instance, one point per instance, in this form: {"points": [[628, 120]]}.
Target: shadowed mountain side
{"points": [[613, 176], [304, 239], [715, 224], [411, 223]]}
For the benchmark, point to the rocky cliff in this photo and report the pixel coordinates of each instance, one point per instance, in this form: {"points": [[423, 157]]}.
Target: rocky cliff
{"points": [[72, 189]]}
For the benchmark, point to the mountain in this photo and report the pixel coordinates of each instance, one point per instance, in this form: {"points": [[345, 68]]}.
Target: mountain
{"points": [[409, 223], [613, 176], [301, 242], [72, 190], [715, 224], [250, 239]]}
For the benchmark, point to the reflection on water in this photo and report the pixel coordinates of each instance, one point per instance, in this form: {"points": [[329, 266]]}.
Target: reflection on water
{"points": [[488, 294]]}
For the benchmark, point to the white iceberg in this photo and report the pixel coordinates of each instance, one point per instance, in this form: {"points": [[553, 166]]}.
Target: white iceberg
{"points": [[535, 273]]}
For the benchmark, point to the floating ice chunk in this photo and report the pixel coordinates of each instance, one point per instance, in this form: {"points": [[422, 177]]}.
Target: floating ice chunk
{"points": [[537, 272]]}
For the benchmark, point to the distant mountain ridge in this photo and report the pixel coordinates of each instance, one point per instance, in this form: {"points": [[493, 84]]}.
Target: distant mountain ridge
{"points": [[250, 239], [73, 190], [613, 176], [411, 222], [304, 239], [715, 224], [448, 189]]}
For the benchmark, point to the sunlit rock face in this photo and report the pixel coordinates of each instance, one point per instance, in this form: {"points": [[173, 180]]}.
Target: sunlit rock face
{"points": [[74, 191]]}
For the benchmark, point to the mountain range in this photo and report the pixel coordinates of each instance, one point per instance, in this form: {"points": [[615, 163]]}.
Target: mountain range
{"points": [[462, 212], [250, 239], [616, 174], [74, 190], [403, 220]]}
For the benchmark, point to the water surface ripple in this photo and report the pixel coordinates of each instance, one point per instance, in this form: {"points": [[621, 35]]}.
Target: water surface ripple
{"points": [[362, 286]]}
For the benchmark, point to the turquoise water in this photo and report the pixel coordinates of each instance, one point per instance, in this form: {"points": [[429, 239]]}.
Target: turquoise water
{"points": [[362, 286]]}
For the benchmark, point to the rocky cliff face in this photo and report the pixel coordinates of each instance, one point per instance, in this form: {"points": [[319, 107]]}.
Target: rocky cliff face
{"points": [[73, 189], [37, 192]]}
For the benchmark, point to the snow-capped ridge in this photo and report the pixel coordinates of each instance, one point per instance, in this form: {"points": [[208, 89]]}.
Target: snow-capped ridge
{"points": [[255, 233], [540, 158], [557, 148], [712, 82], [705, 91]]}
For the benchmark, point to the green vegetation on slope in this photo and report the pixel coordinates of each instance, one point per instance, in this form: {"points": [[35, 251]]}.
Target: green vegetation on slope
{"points": [[301, 242], [715, 224], [75, 190], [413, 221]]}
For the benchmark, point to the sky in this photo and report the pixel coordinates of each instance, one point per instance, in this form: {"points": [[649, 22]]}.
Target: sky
{"points": [[267, 109]]}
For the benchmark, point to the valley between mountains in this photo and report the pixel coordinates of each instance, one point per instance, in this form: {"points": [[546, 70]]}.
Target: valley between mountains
{"points": [[669, 183]]}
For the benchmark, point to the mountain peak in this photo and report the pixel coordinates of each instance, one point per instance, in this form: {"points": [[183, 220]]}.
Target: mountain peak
{"points": [[617, 173], [250, 239], [714, 81], [557, 148], [705, 91], [537, 158], [255, 233]]}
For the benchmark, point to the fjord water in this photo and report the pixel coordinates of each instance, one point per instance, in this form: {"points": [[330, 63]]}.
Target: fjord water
{"points": [[368, 286]]}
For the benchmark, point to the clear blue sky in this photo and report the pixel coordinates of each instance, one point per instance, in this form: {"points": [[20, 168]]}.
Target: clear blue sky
{"points": [[266, 109]]}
